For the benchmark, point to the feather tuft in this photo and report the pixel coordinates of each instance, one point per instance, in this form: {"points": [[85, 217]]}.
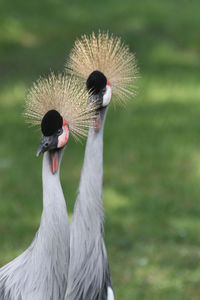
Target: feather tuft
{"points": [[64, 94], [107, 54]]}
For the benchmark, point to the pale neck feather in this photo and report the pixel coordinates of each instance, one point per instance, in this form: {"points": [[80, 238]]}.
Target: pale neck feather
{"points": [[53, 198], [54, 216], [89, 200]]}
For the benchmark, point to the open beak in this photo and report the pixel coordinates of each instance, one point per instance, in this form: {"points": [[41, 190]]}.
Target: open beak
{"points": [[49, 143]]}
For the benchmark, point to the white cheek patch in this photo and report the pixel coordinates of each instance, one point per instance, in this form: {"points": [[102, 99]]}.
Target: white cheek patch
{"points": [[107, 96], [110, 295], [63, 138]]}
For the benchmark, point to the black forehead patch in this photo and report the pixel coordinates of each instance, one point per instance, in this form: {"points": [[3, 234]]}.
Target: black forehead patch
{"points": [[96, 82], [51, 122]]}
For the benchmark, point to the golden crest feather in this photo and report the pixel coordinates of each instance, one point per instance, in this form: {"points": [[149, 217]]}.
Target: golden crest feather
{"points": [[63, 94], [108, 55]]}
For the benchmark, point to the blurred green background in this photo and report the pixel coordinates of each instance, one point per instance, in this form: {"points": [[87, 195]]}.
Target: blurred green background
{"points": [[152, 148]]}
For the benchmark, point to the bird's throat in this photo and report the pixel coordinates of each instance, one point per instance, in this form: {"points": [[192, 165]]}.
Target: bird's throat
{"points": [[54, 160], [97, 122], [99, 118]]}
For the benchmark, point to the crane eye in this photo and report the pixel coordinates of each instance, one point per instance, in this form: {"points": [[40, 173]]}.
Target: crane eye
{"points": [[59, 131]]}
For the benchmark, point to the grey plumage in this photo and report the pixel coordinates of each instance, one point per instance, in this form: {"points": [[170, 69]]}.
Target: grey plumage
{"points": [[107, 67], [40, 271], [89, 276]]}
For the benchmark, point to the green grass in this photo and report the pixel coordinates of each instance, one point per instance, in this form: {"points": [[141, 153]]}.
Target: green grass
{"points": [[152, 148]]}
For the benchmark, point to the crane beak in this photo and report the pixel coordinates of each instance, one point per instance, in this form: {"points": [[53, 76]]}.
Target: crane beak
{"points": [[47, 143], [39, 151]]}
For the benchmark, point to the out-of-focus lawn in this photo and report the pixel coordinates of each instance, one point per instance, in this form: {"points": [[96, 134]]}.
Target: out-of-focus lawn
{"points": [[152, 149]]}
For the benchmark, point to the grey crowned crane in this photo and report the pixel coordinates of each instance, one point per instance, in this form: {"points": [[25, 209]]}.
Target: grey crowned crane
{"points": [[40, 272], [107, 67]]}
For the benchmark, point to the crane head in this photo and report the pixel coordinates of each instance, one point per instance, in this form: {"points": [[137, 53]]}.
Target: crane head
{"points": [[100, 93], [55, 136]]}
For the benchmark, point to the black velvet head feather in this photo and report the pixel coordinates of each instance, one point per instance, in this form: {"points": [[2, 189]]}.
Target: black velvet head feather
{"points": [[51, 122], [96, 82]]}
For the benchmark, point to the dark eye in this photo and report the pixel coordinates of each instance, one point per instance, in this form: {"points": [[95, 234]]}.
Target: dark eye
{"points": [[59, 131], [103, 91]]}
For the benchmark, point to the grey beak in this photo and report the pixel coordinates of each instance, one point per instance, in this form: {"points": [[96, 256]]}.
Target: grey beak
{"points": [[47, 143], [39, 151]]}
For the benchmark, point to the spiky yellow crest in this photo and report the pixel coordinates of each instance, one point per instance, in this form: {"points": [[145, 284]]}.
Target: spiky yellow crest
{"points": [[109, 55], [63, 94]]}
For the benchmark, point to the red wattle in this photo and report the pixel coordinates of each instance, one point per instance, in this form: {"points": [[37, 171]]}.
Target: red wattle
{"points": [[97, 123], [54, 162]]}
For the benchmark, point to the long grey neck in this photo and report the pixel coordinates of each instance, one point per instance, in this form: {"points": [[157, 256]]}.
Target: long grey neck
{"points": [[54, 226], [90, 188], [40, 272], [53, 241], [52, 190], [88, 260]]}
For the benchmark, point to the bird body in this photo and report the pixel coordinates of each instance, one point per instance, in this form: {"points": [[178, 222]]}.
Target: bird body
{"points": [[40, 271]]}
